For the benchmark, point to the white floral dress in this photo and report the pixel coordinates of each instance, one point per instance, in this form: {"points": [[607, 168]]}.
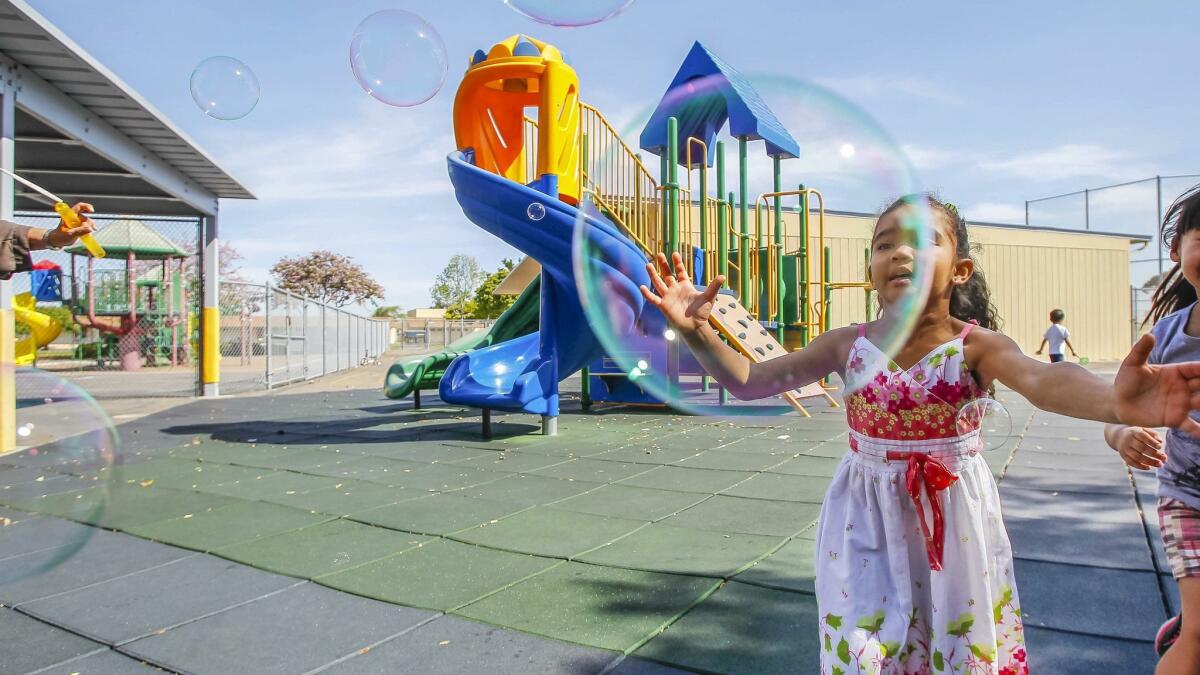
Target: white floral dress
{"points": [[914, 567]]}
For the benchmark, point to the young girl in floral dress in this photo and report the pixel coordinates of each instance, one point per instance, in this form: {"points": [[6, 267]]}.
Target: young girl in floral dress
{"points": [[914, 568]]}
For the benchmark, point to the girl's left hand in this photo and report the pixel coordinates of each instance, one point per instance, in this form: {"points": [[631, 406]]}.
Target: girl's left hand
{"points": [[1157, 395]]}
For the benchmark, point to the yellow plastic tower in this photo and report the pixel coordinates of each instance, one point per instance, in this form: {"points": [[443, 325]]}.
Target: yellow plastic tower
{"points": [[489, 112]]}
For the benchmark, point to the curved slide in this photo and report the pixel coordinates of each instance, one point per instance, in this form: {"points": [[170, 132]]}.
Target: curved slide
{"points": [[523, 374], [42, 328], [425, 372]]}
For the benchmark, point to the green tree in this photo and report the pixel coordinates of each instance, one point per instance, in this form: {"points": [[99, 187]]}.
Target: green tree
{"points": [[488, 305], [388, 312], [328, 277], [455, 286]]}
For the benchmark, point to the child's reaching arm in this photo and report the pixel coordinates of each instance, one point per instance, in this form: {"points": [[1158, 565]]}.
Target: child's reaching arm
{"points": [[688, 310], [1141, 448], [1041, 347], [1142, 395], [1070, 346]]}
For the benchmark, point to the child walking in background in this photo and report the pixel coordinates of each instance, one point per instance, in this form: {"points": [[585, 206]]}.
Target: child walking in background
{"points": [[1057, 335], [914, 568], [1177, 334]]}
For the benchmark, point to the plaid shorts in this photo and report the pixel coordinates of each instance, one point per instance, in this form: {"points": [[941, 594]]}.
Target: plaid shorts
{"points": [[1180, 526]]}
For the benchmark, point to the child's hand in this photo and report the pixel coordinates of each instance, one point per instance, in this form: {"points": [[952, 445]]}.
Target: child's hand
{"points": [[1141, 448], [1157, 395], [65, 235], [1038, 352], [674, 295]]}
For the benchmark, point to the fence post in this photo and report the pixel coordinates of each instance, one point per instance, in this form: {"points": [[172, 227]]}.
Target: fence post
{"points": [[304, 341], [1027, 213], [324, 366], [1087, 209], [267, 330]]}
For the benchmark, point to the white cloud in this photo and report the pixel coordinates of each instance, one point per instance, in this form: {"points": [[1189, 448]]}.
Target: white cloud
{"points": [[373, 154], [1070, 161], [926, 158], [871, 86], [992, 212]]}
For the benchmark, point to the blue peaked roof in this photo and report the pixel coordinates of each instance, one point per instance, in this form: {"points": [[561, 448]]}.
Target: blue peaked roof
{"points": [[723, 95]]}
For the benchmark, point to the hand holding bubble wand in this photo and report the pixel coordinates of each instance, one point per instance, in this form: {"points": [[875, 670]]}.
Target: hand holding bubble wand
{"points": [[68, 215]]}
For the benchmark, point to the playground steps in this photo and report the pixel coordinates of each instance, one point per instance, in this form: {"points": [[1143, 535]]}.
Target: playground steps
{"points": [[749, 337]]}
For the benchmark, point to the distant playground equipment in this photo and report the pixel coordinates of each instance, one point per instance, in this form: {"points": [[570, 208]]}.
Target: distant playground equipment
{"points": [[139, 308], [509, 167]]}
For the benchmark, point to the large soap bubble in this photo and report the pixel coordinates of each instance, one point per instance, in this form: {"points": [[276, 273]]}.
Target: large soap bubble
{"points": [[398, 58], [569, 12], [61, 472], [224, 88], [990, 418], [851, 162]]}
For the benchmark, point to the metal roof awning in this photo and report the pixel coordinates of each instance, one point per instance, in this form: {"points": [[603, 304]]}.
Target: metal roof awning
{"points": [[85, 135]]}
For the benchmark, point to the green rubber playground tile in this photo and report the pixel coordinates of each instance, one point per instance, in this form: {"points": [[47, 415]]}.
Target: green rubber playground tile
{"points": [[747, 516], [623, 501], [792, 568], [782, 487], [227, 525], [594, 470], [424, 452], [510, 462], [530, 490], [808, 466], [345, 497], [732, 461], [832, 450], [591, 605], [743, 630], [680, 479], [126, 506], [156, 470], [300, 460], [269, 484], [231, 453], [377, 469], [660, 547], [438, 514], [545, 530], [438, 477], [440, 575], [322, 549], [27, 491], [645, 455]]}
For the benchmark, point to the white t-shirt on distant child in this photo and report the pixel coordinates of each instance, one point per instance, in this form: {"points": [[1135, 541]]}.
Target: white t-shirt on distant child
{"points": [[1056, 335]]}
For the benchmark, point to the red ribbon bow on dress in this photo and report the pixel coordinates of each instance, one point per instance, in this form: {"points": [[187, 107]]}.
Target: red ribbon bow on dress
{"points": [[927, 471]]}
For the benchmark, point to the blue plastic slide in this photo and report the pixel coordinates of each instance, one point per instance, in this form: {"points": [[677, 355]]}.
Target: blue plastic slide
{"points": [[523, 374]]}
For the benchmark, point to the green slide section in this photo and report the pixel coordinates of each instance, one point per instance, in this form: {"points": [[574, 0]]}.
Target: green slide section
{"points": [[425, 372]]}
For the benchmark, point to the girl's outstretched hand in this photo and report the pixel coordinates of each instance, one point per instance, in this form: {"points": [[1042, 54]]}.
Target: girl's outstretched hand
{"points": [[1157, 395], [686, 308]]}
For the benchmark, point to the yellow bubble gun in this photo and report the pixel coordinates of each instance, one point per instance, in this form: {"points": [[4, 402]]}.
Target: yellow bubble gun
{"points": [[65, 212]]}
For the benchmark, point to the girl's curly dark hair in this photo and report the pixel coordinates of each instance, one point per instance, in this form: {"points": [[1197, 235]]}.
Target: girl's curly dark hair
{"points": [[1175, 292]]}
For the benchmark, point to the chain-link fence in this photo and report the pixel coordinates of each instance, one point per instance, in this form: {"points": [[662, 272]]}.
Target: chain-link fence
{"points": [[270, 337], [1139, 304], [1135, 207], [126, 325], [431, 335]]}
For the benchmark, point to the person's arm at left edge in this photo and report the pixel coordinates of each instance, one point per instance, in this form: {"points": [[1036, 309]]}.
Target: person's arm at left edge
{"points": [[17, 241]]}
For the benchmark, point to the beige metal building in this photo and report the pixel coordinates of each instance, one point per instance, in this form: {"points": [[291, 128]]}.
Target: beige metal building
{"points": [[1030, 270]]}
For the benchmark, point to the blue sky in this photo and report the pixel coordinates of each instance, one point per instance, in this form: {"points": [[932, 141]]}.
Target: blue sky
{"points": [[995, 104]]}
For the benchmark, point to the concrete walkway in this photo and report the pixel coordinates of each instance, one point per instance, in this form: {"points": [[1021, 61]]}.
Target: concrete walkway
{"points": [[337, 531]]}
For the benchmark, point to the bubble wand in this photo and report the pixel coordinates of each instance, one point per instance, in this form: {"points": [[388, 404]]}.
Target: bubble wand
{"points": [[66, 213]]}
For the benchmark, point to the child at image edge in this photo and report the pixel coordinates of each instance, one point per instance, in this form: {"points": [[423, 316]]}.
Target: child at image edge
{"points": [[1177, 334], [914, 569]]}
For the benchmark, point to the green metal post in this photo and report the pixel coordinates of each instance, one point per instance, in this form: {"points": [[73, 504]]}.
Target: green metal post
{"points": [[778, 281], [804, 317], [722, 238], [826, 300], [672, 183], [867, 301], [664, 227], [585, 393], [744, 227]]}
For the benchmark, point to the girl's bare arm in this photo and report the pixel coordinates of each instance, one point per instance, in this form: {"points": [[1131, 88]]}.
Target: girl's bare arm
{"points": [[748, 380]]}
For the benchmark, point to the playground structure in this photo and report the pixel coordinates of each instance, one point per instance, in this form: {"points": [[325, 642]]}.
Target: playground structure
{"points": [[776, 279], [139, 309]]}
